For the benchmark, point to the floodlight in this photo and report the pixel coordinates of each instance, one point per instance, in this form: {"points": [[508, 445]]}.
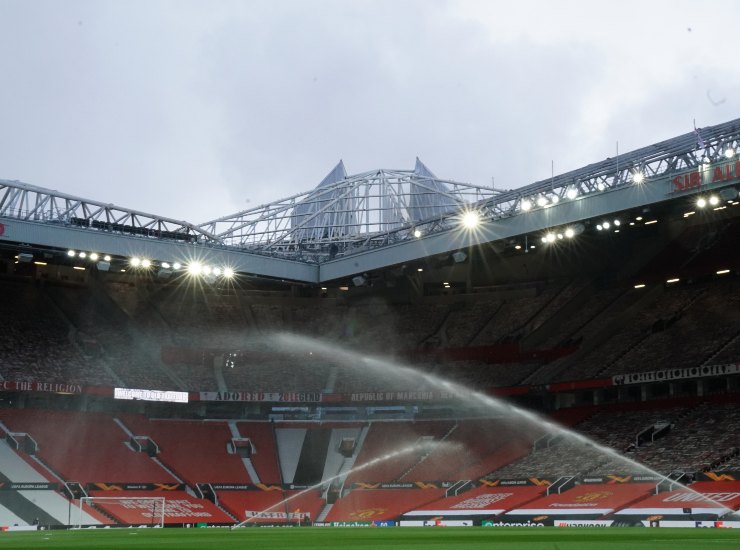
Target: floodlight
{"points": [[207, 270], [571, 193], [599, 227], [166, 265], [729, 152], [544, 239], [82, 254], [176, 265], [470, 219], [541, 201], [194, 268], [229, 273], [570, 233], [526, 205], [550, 237], [555, 199], [605, 225], [714, 200], [600, 186], [146, 263], [417, 233], [94, 256], [217, 271], [71, 253], [617, 223], [638, 177], [136, 262], [640, 285], [106, 258]]}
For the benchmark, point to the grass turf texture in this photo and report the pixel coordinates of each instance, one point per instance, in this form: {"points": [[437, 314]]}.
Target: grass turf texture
{"points": [[324, 538]]}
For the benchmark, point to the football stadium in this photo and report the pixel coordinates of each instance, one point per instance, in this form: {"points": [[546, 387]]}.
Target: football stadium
{"points": [[387, 359]]}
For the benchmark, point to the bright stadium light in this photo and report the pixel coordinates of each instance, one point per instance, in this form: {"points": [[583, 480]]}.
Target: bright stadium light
{"points": [[470, 219], [551, 237], [166, 265], [544, 239], [146, 263], [541, 201], [555, 199], [176, 265], [82, 254], [136, 262], [217, 271], [605, 225], [106, 258], [194, 268], [228, 272], [417, 233], [94, 256], [729, 152], [71, 253], [571, 193], [526, 205], [617, 223], [207, 270], [701, 202], [714, 200], [599, 227], [570, 233], [638, 177], [600, 186]]}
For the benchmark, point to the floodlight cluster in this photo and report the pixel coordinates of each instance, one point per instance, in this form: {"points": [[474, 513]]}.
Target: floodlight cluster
{"points": [[84, 255]]}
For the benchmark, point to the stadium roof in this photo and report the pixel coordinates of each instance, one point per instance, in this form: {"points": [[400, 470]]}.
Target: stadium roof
{"points": [[351, 224]]}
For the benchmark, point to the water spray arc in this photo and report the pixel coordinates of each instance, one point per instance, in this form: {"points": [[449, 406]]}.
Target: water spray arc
{"points": [[386, 457], [400, 372]]}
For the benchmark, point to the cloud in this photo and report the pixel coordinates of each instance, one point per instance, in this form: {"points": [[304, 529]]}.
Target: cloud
{"points": [[197, 109]]}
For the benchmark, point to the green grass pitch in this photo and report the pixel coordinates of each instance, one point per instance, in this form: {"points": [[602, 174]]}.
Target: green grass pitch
{"points": [[322, 538]]}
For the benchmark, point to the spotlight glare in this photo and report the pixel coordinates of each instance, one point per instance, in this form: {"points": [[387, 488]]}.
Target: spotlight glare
{"points": [[599, 227], [146, 263], [550, 237], [526, 205], [601, 186], [94, 256], [417, 233], [555, 199], [217, 271], [106, 258], [518, 247], [617, 223], [166, 265], [544, 239], [638, 177], [714, 200], [729, 152], [82, 254], [177, 265], [207, 270], [570, 233], [571, 193], [194, 268], [136, 262], [470, 219], [541, 201], [229, 273], [71, 253], [606, 225]]}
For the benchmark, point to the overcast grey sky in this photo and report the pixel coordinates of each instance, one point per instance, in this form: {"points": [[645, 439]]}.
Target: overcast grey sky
{"points": [[197, 109]]}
